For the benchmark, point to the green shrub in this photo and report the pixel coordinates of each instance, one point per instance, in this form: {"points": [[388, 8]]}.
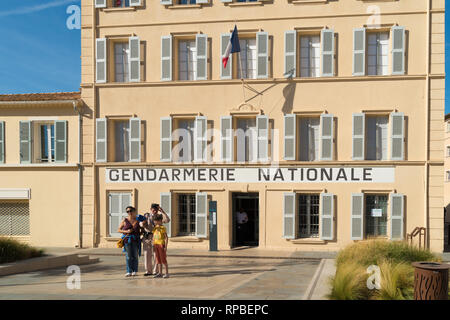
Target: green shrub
{"points": [[13, 250], [349, 283], [394, 259]]}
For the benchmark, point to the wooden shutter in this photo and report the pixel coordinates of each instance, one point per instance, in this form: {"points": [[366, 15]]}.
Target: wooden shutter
{"points": [[290, 134], [326, 136], [359, 52], [115, 214], [101, 140], [134, 59], [201, 214], [262, 127], [397, 216], [262, 54], [290, 54], [166, 2], [225, 73], [100, 70], [2, 141], [326, 216], [358, 145], [398, 50], [100, 3], [61, 141], [135, 3], [166, 139], [327, 37], [135, 140], [26, 136], [166, 58], [200, 139], [357, 216], [201, 43], [289, 212], [397, 136], [226, 138], [166, 204]]}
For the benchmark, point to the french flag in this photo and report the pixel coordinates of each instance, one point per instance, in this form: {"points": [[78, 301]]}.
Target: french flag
{"points": [[233, 46]]}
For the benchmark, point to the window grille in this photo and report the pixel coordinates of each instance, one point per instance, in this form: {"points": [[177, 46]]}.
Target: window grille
{"points": [[14, 219]]}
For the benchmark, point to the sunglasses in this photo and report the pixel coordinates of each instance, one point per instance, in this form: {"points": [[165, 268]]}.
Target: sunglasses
{"points": [[129, 211]]}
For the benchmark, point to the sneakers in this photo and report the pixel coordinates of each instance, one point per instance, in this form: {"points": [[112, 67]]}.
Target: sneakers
{"points": [[127, 274], [158, 275], [147, 274], [165, 276], [133, 274]]}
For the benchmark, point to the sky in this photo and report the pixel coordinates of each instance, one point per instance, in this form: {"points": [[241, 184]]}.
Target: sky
{"points": [[41, 54]]}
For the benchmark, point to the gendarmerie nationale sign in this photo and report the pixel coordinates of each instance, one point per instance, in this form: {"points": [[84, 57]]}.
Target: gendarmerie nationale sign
{"points": [[251, 175]]}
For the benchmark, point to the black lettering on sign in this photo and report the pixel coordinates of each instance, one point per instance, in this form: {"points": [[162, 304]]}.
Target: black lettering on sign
{"points": [[341, 175], [308, 174], [292, 170], [114, 175], [265, 176], [212, 175], [151, 174], [138, 175], [125, 174], [230, 174], [188, 173], [353, 175], [201, 174], [328, 173], [163, 175], [175, 174], [367, 174], [278, 175]]}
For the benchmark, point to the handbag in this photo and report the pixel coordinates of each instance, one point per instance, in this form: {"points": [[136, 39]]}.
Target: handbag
{"points": [[120, 243]]}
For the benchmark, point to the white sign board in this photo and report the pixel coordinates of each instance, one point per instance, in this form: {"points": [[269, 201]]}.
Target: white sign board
{"points": [[377, 212], [251, 175]]}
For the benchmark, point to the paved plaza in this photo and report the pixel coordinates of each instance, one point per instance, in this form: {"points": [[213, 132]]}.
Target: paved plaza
{"points": [[191, 277]]}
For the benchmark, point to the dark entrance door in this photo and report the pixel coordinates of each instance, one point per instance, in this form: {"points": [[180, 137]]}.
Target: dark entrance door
{"points": [[245, 234]]}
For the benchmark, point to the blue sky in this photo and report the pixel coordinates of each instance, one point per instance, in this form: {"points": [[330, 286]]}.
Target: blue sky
{"points": [[42, 55]]}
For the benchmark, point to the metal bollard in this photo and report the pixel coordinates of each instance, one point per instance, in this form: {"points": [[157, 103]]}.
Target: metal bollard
{"points": [[430, 280]]}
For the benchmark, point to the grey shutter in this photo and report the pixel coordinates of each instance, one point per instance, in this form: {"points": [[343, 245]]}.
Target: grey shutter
{"points": [[134, 59], [290, 134], [262, 55], [101, 140], [225, 73], [326, 137], [327, 37], [290, 54], [26, 137], [200, 139], [398, 50], [202, 1], [397, 216], [262, 127], [166, 204], [226, 138], [201, 43], [359, 52], [100, 69], [358, 144], [100, 3], [166, 58], [201, 214], [135, 3], [289, 215], [166, 139], [166, 2], [397, 136], [2, 141], [115, 214], [135, 140], [357, 216], [326, 216], [61, 141]]}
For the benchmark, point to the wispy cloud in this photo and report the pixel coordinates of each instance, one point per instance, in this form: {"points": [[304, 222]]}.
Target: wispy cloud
{"points": [[36, 8]]}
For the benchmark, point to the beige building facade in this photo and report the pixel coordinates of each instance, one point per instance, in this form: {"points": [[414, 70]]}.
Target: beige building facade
{"points": [[40, 176], [447, 183], [334, 135]]}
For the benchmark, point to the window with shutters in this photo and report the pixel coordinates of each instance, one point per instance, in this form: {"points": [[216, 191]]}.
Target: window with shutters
{"points": [[183, 139], [121, 3], [186, 214], [117, 204], [14, 218], [377, 137], [376, 215], [308, 215], [309, 138], [121, 68], [378, 53], [246, 139], [248, 59], [186, 1], [118, 3], [44, 149], [310, 56], [187, 59], [119, 145]]}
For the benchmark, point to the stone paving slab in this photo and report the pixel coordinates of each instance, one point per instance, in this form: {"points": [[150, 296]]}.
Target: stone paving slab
{"points": [[190, 278]]}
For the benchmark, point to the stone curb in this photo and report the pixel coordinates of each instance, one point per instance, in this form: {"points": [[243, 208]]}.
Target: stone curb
{"points": [[45, 263], [319, 287]]}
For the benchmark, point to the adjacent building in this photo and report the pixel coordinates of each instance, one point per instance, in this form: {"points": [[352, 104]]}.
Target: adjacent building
{"points": [[39, 168], [447, 183]]}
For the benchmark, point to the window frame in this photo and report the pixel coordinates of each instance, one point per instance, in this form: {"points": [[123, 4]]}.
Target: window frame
{"points": [[189, 222]]}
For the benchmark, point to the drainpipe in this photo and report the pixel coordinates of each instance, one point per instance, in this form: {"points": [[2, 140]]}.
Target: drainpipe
{"points": [[80, 213]]}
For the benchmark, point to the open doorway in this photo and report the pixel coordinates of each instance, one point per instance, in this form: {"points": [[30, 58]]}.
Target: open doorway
{"points": [[245, 217]]}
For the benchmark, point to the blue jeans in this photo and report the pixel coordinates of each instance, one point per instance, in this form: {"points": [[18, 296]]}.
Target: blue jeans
{"points": [[131, 254]]}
